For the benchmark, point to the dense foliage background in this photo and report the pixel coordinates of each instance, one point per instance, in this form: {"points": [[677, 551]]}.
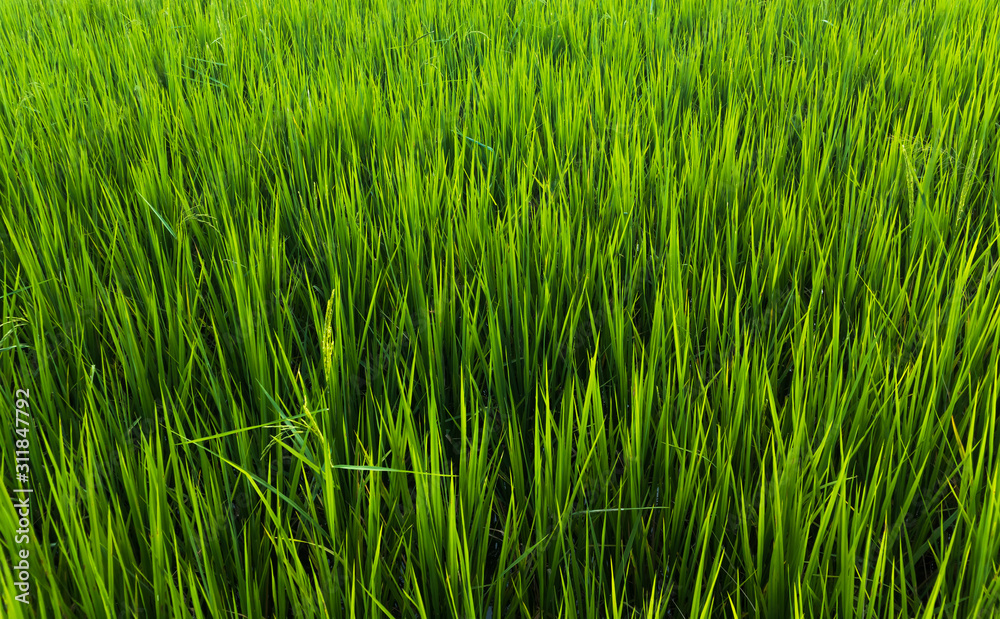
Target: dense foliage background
{"points": [[503, 309]]}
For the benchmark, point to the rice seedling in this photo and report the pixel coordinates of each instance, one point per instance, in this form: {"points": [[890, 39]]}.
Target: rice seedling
{"points": [[501, 309]]}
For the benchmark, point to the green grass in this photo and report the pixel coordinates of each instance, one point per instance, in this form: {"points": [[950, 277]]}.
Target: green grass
{"points": [[503, 309]]}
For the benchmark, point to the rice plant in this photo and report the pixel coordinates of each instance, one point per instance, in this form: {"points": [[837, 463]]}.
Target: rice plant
{"points": [[533, 308]]}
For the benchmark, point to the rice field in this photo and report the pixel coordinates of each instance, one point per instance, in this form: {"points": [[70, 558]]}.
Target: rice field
{"points": [[522, 309]]}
